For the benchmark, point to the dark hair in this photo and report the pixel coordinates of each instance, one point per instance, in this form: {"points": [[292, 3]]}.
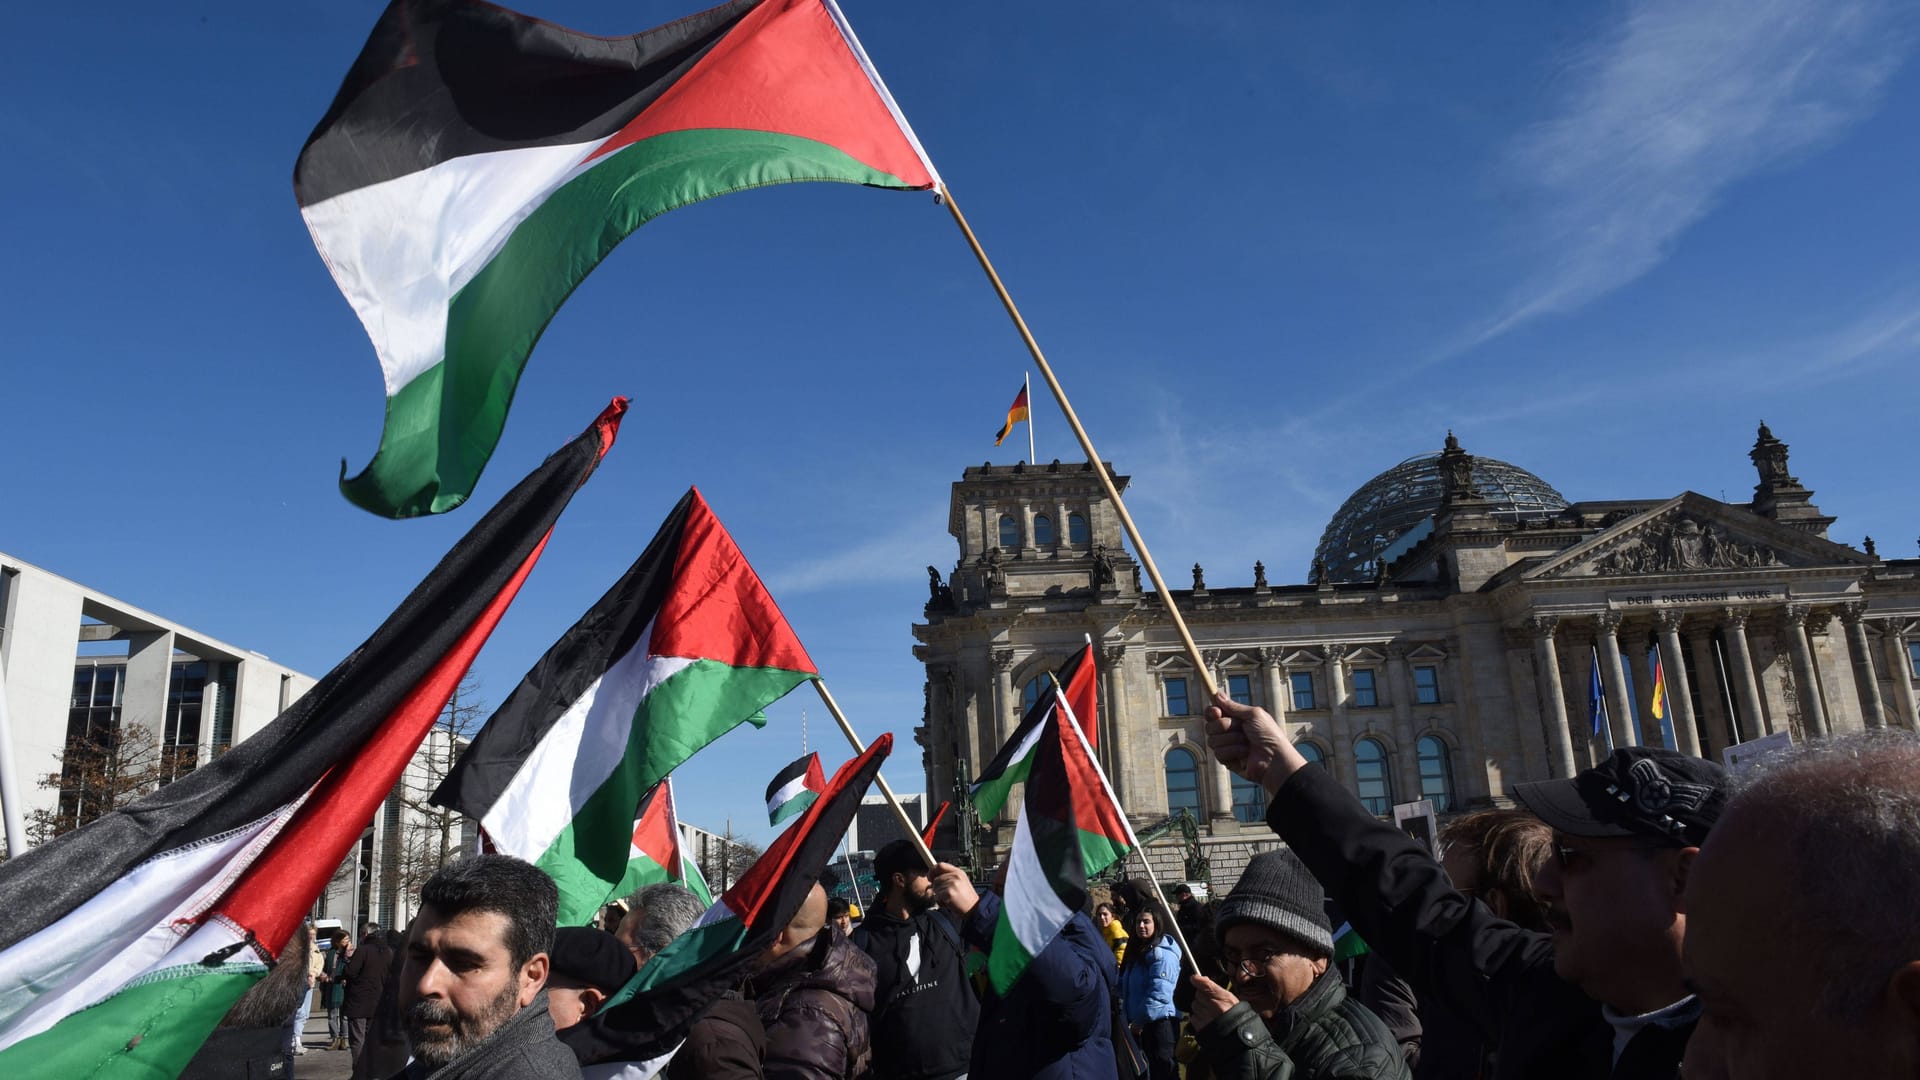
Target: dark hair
{"points": [[1510, 848], [505, 885], [838, 906], [1139, 947]]}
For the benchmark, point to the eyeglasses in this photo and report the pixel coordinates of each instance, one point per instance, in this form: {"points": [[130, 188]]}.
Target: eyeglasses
{"points": [[1254, 960], [1573, 858]]}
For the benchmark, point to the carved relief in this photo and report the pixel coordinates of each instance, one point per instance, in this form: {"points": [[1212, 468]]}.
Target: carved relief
{"points": [[1675, 545], [1003, 660], [1543, 625]]}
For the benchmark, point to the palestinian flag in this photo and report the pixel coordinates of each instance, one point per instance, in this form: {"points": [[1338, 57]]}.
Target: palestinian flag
{"points": [[1347, 944], [794, 788], [658, 852], [926, 837], [477, 164], [1070, 829], [685, 647], [1010, 765], [126, 941], [1016, 412], [651, 1014]]}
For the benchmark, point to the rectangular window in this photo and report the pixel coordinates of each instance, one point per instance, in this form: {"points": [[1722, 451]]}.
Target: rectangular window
{"points": [[1913, 657], [1301, 682], [1426, 685], [1364, 696], [1240, 689], [1176, 697]]}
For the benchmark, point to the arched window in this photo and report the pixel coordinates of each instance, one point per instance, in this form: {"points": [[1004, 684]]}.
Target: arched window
{"points": [[1312, 752], [1436, 774], [1249, 801], [1042, 530], [1183, 783], [1031, 692], [1077, 529], [1370, 768], [1009, 531]]}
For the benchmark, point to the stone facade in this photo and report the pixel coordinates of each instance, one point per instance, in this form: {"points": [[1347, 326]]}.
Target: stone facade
{"points": [[1459, 666]]}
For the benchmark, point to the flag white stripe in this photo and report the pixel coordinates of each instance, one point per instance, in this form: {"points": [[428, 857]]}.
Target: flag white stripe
{"points": [[126, 930], [1030, 905], [400, 249], [577, 754]]}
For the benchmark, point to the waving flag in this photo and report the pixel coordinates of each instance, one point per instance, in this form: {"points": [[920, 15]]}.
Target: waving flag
{"points": [[126, 941], [477, 164], [794, 788], [685, 647], [1016, 412], [658, 852], [1597, 701], [1070, 828], [1010, 765], [649, 1016]]}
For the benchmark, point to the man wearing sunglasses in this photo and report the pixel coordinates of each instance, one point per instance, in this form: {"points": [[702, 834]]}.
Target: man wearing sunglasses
{"points": [[1602, 994]]}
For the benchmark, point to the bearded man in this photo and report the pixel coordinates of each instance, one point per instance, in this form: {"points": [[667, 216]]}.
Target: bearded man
{"points": [[473, 987]]}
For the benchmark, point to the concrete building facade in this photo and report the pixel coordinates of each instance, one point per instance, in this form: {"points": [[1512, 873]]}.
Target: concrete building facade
{"points": [[1443, 646]]}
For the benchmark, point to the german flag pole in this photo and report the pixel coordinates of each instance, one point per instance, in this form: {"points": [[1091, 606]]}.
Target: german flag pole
{"points": [[1086, 443], [1026, 381]]}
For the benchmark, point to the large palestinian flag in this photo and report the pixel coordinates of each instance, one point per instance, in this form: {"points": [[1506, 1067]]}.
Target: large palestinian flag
{"points": [[125, 942], [1070, 828], [478, 164], [686, 646], [651, 1014], [1010, 765]]}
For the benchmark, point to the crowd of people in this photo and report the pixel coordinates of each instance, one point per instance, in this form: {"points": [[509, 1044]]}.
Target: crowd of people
{"points": [[1649, 917]]}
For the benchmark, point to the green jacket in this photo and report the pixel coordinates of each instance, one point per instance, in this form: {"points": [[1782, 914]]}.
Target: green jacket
{"points": [[1322, 1036]]}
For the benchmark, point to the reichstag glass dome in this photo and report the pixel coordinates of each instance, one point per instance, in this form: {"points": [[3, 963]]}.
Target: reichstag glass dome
{"points": [[1402, 499]]}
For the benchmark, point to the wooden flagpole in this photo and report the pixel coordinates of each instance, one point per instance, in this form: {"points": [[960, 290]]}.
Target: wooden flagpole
{"points": [[1086, 444], [913, 832]]}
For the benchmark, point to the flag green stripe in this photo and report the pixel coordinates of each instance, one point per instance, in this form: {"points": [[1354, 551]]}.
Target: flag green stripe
{"points": [[1099, 851], [151, 1028], [792, 807], [689, 950], [443, 425], [696, 705], [992, 795]]}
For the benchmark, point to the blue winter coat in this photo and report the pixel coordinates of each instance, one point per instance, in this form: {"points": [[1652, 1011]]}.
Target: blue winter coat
{"points": [[1056, 1022], [1146, 984]]}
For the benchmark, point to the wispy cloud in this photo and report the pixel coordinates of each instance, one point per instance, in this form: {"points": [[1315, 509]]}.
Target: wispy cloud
{"points": [[896, 556], [1658, 119]]}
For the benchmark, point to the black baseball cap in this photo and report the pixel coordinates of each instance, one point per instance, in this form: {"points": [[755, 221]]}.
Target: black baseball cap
{"points": [[1636, 791], [898, 857], [592, 957]]}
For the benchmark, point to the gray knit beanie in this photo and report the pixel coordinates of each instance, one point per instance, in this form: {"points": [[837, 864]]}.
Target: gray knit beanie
{"points": [[1278, 890]]}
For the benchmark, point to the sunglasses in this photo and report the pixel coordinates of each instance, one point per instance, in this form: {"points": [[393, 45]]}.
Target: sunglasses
{"points": [[1570, 857]]}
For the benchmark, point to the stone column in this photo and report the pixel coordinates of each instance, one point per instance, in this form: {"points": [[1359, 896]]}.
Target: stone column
{"points": [[1060, 542], [1220, 779], [1713, 704], [1400, 685], [1900, 665], [1811, 707], [944, 744], [1865, 679], [1619, 709], [1272, 684], [1642, 670], [1553, 695], [149, 676], [1340, 733], [1113, 740], [1746, 688], [1679, 688]]}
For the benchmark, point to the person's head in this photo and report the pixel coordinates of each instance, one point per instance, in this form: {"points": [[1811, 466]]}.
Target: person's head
{"points": [[1803, 939], [840, 914], [476, 954], [805, 925], [1494, 856], [1625, 835], [905, 884], [371, 932], [656, 915], [337, 939], [1181, 893], [588, 967], [1104, 915], [1273, 932]]}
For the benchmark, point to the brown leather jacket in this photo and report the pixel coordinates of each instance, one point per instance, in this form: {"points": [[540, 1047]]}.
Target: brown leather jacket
{"points": [[814, 1002]]}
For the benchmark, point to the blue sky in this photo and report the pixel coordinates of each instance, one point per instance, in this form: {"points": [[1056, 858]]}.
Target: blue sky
{"points": [[1272, 249]]}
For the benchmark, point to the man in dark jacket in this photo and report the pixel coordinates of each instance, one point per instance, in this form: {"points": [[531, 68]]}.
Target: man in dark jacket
{"points": [[1626, 833], [813, 992], [1288, 1014], [473, 990], [1057, 1021], [925, 1010], [366, 969], [725, 1043]]}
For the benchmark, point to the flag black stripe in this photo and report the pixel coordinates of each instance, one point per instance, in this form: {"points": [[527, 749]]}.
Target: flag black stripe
{"points": [[1037, 715], [789, 774], [441, 79], [609, 630], [325, 727]]}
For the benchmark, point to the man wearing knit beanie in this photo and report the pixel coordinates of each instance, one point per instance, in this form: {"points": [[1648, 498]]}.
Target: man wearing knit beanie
{"points": [[1287, 1013]]}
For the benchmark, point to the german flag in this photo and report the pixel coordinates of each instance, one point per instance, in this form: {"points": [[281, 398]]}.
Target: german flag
{"points": [[1015, 413]]}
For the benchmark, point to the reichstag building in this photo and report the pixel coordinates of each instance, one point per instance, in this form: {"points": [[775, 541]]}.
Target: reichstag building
{"points": [[1443, 647]]}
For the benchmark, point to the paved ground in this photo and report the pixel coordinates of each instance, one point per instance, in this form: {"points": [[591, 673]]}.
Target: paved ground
{"points": [[320, 1063]]}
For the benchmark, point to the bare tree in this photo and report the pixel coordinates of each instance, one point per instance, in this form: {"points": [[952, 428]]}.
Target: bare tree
{"points": [[428, 836], [102, 770], [723, 862]]}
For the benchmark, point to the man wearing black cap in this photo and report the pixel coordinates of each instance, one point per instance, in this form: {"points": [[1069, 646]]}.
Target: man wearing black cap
{"points": [[588, 967], [1603, 994], [924, 1008]]}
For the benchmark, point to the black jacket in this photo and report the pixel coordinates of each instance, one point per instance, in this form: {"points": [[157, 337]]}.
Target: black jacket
{"points": [[1325, 1035], [1497, 975], [725, 1043], [365, 972], [924, 1008], [1056, 1022], [814, 1003]]}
